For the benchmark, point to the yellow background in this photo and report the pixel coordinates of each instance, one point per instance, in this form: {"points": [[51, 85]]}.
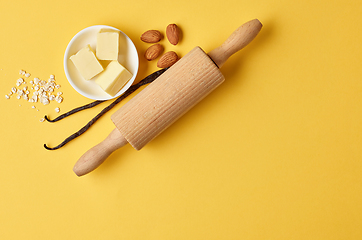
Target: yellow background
{"points": [[273, 153]]}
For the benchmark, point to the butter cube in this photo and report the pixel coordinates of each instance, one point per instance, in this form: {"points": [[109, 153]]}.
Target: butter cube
{"points": [[86, 62], [107, 44], [113, 78]]}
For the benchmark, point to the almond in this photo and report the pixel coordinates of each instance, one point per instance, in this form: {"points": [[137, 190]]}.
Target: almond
{"points": [[153, 52], [151, 36], [173, 33], [167, 59]]}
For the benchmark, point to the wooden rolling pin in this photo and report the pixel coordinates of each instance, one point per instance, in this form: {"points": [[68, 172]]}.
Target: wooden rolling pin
{"points": [[167, 98]]}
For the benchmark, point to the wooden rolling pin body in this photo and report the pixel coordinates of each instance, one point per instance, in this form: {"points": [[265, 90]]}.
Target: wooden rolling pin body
{"points": [[169, 97]]}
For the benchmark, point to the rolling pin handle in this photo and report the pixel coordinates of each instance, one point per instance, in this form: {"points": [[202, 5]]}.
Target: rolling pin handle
{"points": [[237, 40], [99, 153]]}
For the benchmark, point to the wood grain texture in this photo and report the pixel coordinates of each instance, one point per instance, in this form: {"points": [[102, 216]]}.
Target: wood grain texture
{"points": [[241, 37], [99, 153], [164, 101]]}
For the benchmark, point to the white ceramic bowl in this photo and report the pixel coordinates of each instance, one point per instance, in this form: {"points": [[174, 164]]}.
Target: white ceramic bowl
{"points": [[128, 57]]}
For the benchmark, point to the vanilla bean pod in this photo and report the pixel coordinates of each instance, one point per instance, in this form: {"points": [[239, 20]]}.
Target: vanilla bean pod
{"points": [[75, 110], [148, 79]]}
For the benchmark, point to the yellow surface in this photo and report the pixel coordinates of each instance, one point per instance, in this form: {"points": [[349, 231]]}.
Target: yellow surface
{"points": [[273, 153]]}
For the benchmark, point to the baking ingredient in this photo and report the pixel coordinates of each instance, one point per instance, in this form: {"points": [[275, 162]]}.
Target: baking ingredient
{"points": [[87, 63], [132, 89], [24, 73], [75, 110], [153, 52], [167, 59], [173, 33], [59, 99], [42, 90], [107, 47], [113, 78], [151, 36]]}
